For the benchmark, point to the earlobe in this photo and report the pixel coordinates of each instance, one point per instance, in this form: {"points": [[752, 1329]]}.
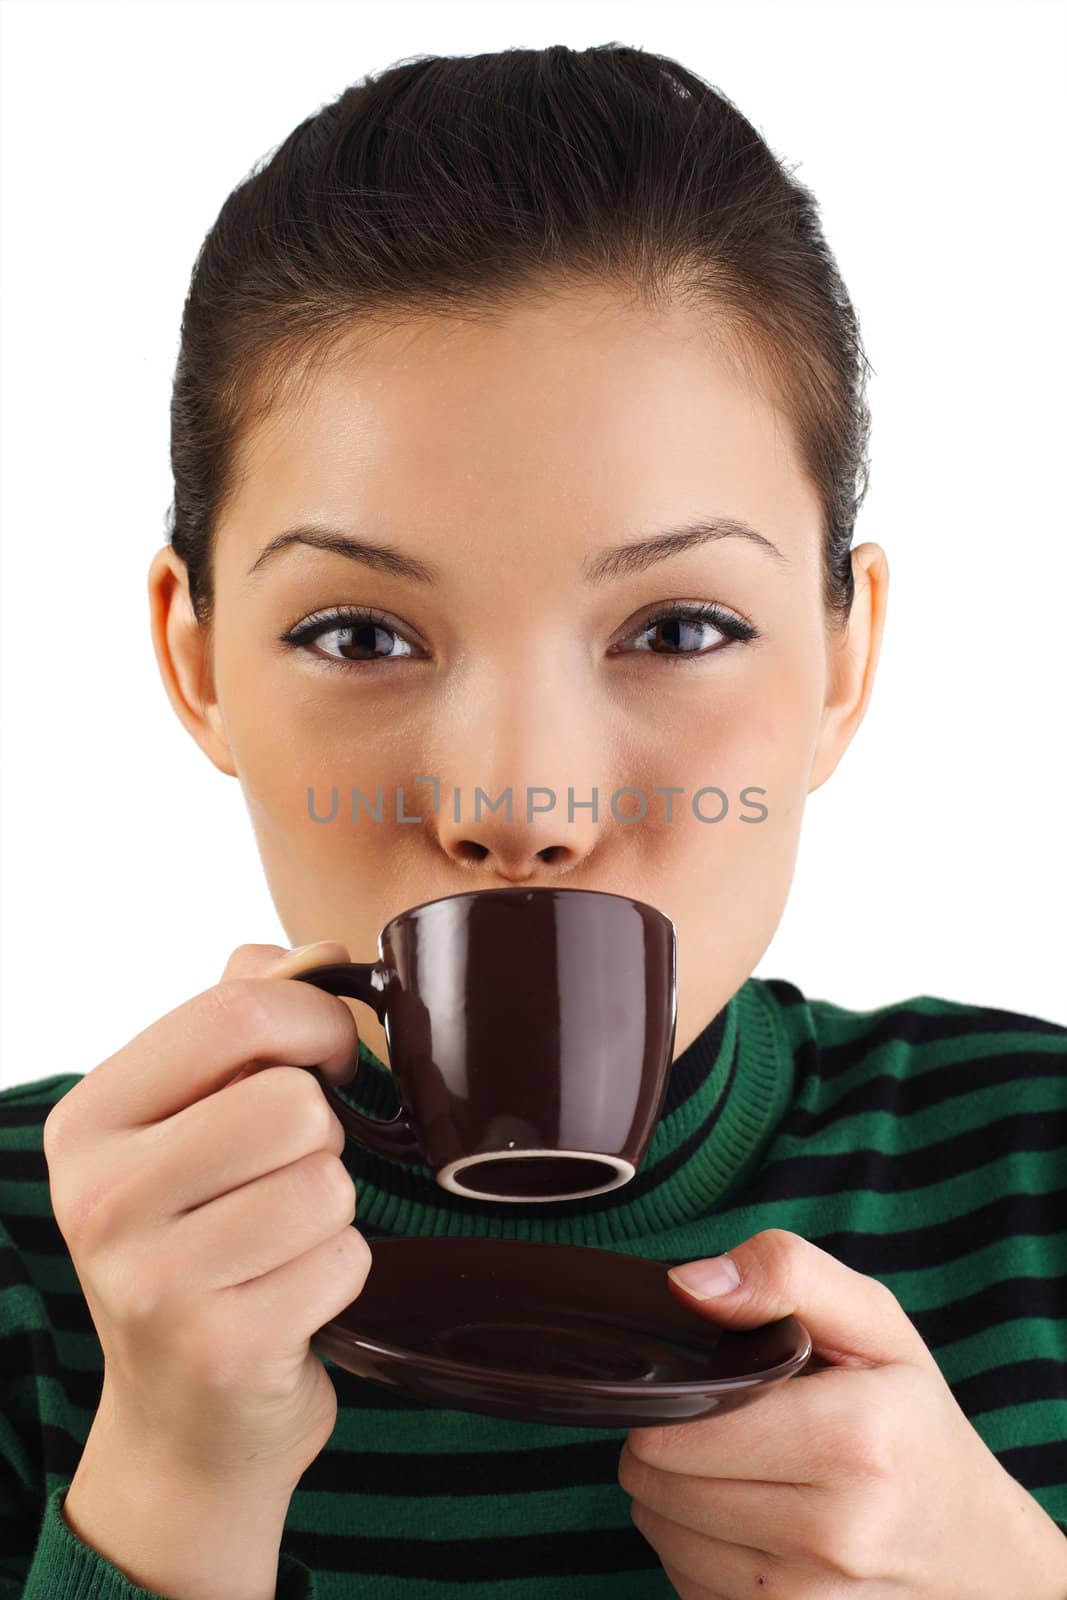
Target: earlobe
{"points": [[183, 648], [852, 662]]}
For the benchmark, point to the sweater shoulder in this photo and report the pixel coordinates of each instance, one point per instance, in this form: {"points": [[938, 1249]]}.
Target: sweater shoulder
{"points": [[35, 1268], [24, 1104], [921, 1039], [24, 1108], [916, 1019]]}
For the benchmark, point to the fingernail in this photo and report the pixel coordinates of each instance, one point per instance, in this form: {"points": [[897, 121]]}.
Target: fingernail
{"points": [[316, 944], [706, 1279], [299, 957]]}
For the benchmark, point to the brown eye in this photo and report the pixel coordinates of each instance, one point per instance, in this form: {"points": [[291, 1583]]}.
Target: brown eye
{"points": [[675, 630], [363, 636]]}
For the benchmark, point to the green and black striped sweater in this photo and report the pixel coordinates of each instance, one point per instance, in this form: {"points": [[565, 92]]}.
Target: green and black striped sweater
{"points": [[923, 1143]]}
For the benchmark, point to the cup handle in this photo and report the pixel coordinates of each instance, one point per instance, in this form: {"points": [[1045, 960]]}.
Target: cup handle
{"points": [[367, 981]]}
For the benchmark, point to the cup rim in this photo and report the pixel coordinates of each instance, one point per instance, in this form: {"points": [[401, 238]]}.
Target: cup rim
{"points": [[517, 892]]}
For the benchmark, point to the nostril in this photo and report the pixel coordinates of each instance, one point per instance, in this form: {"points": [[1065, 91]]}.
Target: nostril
{"points": [[471, 850]]}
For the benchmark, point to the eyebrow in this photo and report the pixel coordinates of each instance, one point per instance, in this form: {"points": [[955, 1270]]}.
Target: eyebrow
{"points": [[626, 559], [621, 560]]}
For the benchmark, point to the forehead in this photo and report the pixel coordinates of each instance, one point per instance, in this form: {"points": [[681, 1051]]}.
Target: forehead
{"points": [[577, 412]]}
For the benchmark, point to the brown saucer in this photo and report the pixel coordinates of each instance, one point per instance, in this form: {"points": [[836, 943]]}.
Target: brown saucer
{"points": [[549, 1333]]}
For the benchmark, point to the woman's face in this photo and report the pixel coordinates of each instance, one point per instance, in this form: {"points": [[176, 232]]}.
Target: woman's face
{"points": [[503, 460]]}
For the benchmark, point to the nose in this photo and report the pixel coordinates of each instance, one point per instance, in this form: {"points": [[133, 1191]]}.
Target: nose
{"points": [[547, 834], [525, 763]]}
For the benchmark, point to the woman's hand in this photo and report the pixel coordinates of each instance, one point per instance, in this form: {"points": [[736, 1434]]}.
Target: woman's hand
{"points": [[200, 1190], [863, 1477]]}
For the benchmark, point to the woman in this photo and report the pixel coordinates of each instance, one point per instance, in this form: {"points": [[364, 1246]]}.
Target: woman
{"points": [[518, 438]]}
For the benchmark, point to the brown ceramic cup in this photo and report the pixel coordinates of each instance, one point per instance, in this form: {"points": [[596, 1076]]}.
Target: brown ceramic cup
{"points": [[530, 1032]]}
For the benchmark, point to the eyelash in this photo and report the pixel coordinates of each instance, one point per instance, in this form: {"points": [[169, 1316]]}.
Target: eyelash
{"points": [[735, 630]]}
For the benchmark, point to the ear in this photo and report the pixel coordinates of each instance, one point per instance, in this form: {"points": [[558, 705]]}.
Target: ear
{"points": [[183, 649], [852, 662]]}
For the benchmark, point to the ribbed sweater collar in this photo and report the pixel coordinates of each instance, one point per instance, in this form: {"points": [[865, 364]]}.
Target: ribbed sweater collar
{"points": [[727, 1092]]}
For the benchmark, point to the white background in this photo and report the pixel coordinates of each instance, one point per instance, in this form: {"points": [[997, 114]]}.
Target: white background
{"points": [[933, 862]]}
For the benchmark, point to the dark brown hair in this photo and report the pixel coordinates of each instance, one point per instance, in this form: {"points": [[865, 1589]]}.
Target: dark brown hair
{"points": [[450, 186]]}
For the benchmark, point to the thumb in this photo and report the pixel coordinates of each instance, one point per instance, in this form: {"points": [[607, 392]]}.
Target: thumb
{"points": [[853, 1320], [275, 961]]}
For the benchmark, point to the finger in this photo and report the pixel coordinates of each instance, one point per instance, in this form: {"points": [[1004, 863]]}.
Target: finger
{"points": [[264, 1224], [198, 1047], [776, 1517], [251, 1126], [307, 1293], [799, 1432], [275, 961], [854, 1320], [690, 1591], [733, 1570]]}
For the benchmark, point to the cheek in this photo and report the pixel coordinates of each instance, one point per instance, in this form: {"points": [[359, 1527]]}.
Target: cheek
{"points": [[298, 761], [774, 731], [290, 730], [763, 740], [758, 749]]}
